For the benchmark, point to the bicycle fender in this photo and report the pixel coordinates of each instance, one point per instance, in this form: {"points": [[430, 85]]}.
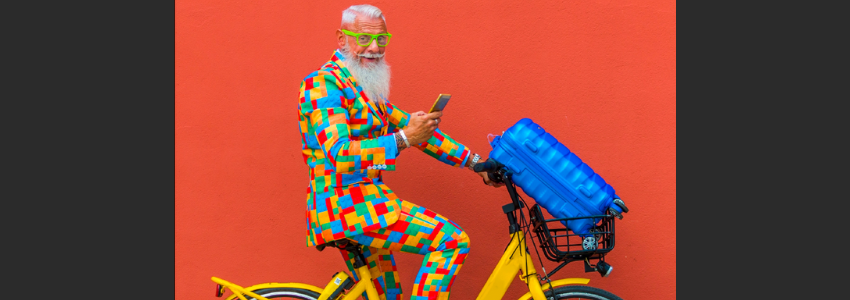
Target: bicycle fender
{"points": [[279, 285], [557, 283]]}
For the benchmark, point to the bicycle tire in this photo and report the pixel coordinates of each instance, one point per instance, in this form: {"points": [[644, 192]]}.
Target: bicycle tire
{"points": [[285, 293], [580, 292]]}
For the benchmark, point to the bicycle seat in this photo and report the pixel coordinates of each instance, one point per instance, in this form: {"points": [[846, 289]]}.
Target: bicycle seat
{"points": [[344, 244]]}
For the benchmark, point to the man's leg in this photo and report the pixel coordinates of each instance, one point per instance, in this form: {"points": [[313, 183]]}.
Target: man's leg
{"points": [[382, 267], [419, 230]]}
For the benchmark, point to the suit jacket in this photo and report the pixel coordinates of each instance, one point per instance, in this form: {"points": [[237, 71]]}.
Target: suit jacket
{"points": [[347, 142]]}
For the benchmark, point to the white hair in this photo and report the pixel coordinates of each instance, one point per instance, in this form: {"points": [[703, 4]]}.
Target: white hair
{"points": [[366, 10]]}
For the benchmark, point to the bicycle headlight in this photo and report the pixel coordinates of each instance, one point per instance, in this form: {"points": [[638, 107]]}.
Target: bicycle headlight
{"points": [[603, 268]]}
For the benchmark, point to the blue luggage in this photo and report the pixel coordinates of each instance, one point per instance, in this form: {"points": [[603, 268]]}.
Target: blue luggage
{"points": [[555, 177]]}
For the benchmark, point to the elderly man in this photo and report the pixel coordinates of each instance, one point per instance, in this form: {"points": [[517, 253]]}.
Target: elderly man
{"points": [[350, 134]]}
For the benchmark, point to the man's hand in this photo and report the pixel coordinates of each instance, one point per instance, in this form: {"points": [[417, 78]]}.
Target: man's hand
{"points": [[487, 180], [421, 126]]}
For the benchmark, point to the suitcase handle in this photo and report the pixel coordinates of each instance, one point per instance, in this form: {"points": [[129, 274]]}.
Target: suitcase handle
{"points": [[584, 191], [528, 144]]}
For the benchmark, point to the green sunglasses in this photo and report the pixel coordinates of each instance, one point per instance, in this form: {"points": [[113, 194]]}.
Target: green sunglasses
{"points": [[365, 39]]}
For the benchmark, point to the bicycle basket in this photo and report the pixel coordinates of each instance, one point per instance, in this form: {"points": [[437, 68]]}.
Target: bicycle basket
{"points": [[559, 243]]}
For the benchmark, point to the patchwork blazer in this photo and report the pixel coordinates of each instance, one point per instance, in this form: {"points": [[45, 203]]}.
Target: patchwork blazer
{"points": [[347, 142]]}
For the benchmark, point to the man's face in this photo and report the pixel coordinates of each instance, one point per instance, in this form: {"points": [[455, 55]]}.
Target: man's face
{"points": [[363, 25]]}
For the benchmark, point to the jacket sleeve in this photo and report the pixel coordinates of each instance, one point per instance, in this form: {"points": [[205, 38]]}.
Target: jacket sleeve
{"points": [[440, 146], [324, 102]]}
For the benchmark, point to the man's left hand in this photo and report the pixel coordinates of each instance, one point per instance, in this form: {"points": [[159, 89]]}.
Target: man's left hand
{"points": [[487, 180]]}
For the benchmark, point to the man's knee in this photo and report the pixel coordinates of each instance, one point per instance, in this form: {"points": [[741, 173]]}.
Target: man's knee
{"points": [[463, 241], [459, 240]]}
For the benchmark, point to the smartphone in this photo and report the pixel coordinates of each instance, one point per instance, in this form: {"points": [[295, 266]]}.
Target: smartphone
{"points": [[441, 102]]}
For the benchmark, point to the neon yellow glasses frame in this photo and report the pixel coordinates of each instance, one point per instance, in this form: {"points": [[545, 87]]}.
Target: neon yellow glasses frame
{"points": [[373, 37]]}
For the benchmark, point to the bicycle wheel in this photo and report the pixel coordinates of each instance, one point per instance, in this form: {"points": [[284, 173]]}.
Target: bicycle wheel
{"points": [[580, 292], [285, 293]]}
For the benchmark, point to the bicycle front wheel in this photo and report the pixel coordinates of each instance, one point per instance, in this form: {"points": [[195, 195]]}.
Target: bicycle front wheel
{"points": [[285, 293], [580, 292]]}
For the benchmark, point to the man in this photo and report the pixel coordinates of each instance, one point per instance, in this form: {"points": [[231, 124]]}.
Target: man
{"points": [[351, 133]]}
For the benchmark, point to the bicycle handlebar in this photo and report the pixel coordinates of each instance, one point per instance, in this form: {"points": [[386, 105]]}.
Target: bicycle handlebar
{"points": [[492, 168], [488, 165]]}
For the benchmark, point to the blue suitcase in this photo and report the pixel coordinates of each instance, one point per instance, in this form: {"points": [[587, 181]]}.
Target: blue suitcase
{"points": [[555, 177]]}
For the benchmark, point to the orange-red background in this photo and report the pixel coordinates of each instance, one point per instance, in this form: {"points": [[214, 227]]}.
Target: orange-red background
{"points": [[599, 75]]}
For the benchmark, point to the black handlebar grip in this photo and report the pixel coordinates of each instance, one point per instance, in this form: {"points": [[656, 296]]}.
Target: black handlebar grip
{"points": [[491, 167], [488, 166]]}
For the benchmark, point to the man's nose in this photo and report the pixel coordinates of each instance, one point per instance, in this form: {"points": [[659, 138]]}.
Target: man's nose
{"points": [[373, 46]]}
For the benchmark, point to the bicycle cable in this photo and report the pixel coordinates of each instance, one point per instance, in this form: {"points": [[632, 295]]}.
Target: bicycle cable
{"points": [[526, 229], [529, 230], [523, 225]]}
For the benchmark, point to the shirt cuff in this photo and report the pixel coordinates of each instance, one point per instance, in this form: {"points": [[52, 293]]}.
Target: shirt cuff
{"points": [[390, 145], [468, 154]]}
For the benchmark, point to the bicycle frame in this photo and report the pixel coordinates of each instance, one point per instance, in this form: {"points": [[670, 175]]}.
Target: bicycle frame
{"points": [[516, 259]]}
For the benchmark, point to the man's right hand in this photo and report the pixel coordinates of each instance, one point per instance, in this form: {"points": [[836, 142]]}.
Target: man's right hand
{"points": [[421, 126]]}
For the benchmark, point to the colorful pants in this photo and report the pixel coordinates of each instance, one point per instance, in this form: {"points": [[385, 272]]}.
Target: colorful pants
{"points": [[418, 230]]}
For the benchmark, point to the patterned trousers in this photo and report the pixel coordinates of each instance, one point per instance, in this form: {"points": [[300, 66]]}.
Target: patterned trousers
{"points": [[421, 231]]}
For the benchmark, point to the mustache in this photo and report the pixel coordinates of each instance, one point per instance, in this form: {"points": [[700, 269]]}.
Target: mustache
{"points": [[371, 55]]}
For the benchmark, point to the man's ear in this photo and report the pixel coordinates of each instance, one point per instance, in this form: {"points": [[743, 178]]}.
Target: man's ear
{"points": [[340, 38]]}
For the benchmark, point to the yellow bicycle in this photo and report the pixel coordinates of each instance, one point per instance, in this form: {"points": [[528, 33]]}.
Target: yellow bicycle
{"points": [[557, 242]]}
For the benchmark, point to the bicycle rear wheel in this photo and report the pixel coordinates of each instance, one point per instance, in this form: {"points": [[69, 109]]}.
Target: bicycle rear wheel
{"points": [[285, 293], [581, 292]]}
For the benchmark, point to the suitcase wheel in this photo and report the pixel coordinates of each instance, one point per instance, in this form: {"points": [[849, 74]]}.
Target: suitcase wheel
{"points": [[621, 204], [616, 213]]}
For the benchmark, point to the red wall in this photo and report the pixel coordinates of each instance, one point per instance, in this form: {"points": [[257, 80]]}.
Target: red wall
{"points": [[599, 75]]}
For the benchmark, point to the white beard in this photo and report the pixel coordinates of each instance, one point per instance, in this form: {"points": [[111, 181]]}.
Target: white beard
{"points": [[374, 78]]}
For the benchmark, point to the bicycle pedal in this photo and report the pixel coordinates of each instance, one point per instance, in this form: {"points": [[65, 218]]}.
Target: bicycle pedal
{"points": [[339, 283]]}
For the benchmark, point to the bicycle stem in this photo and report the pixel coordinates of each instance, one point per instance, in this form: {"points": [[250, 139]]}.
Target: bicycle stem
{"points": [[515, 205]]}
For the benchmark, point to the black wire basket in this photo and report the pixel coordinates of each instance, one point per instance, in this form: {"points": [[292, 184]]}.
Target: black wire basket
{"points": [[561, 244]]}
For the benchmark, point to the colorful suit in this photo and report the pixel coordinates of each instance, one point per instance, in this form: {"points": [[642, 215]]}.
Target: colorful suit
{"points": [[347, 142]]}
